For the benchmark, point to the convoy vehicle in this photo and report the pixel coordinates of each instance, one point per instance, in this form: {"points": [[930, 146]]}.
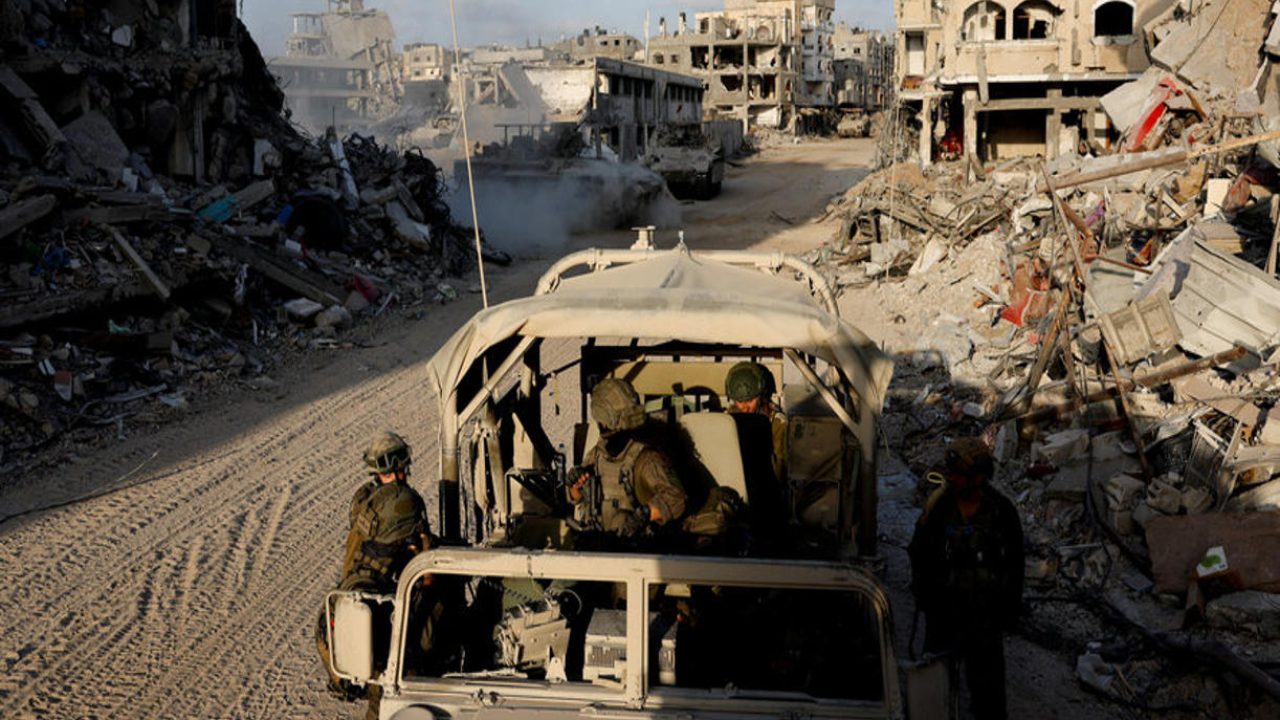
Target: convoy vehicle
{"points": [[511, 616], [692, 166]]}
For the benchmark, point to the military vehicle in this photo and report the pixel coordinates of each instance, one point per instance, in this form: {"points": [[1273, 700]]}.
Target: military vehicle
{"points": [[854, 124], [514, 614], [691, 165]]}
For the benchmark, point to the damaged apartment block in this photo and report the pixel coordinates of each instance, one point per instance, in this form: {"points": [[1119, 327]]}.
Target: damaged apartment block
{"points": [[766, 62], [1000, 79]]}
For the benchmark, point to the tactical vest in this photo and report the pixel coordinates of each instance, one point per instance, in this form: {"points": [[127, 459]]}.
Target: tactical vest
{"points": [[617, 484], [369, 564], [973, 560]]}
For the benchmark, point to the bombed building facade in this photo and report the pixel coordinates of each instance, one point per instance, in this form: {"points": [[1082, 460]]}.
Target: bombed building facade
{"points": [[340, 66], [999, 79], [863, 64], [764, 61]]}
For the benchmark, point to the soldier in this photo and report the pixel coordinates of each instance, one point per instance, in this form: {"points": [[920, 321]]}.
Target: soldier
{"points": [[762, 437], [388, 526], [637, 487], [749, 387], [966, 573]]}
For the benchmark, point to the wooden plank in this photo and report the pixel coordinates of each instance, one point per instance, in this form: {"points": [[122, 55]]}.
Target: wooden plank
{"points": [[1048, 345], [309, 286], [21, 214], [115, 215], [1250, 540], [159, 285]]}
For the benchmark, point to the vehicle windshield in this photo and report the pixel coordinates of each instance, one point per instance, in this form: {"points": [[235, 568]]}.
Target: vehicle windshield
{"points": [[721, 640]]}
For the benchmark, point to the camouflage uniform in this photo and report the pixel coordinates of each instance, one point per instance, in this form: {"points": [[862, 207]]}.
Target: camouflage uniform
{"points": [[633, 480], [633, 475], [385, 520], [388, 525]]}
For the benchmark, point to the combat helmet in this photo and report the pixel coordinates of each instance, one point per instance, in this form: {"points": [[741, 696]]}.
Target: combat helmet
{"points": [[746, 381], [615, 406], [387, 452]]}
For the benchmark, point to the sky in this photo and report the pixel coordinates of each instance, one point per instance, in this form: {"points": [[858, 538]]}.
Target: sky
{"points": [[515, 22]]}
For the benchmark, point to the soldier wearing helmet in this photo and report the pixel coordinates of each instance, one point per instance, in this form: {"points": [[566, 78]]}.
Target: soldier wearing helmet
{"points": [[388, 519], [388, 526], [966, 572], [636, 487], [749, 387]]}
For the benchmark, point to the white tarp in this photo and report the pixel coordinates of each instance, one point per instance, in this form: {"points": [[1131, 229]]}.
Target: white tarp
{"points": [[674, 296]]}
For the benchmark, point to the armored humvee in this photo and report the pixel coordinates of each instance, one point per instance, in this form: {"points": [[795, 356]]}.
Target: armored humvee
{"points": [[511, 616], [692, 166]]}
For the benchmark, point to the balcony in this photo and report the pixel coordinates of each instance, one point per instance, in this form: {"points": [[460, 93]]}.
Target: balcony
{"points": [[1010, 57]]}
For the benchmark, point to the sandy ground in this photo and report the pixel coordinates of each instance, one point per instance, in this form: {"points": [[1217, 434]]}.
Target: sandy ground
{"points": [[177, 574]]}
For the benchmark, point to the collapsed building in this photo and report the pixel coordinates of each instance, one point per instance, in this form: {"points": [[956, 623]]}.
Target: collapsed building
{"points": [[765, 62], [599, 42], [428, 72], [863, 68], [1105, 314], [165, 231], [340, 66], [1001, 79]]}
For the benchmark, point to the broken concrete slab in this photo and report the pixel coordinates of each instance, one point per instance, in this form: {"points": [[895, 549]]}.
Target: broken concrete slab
{"points": [[1124, 104], [1163, 498], [18, 215], [96, 147], [1217, 47], [1250, 540], [1264, 496], [1219, 300], [1249, 611], [1060, 447]]}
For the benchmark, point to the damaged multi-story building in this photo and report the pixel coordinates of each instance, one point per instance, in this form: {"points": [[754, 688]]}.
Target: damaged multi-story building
{"points": [[340, 66], [426, 75], [599, 42], [1002, 78], [863, 61], [764, 61]]}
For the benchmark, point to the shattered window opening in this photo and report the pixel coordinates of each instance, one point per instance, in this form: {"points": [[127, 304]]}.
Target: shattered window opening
{"points": [[1113, 19], [983, 21], [1034, 20]]}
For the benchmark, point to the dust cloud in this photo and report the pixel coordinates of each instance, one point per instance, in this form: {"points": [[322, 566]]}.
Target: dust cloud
{"points": [[534, 214]]}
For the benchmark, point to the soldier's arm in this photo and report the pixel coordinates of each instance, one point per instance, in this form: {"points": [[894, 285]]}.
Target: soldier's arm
{"points": [[666, 494]]}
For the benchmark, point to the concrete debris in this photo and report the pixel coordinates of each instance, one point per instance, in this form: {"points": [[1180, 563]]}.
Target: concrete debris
{"points": [[1249, 611], [1119, 293], [172, 227]]}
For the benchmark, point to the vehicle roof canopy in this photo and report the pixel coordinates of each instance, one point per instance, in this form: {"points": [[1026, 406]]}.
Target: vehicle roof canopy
{"points": [[674, 295]]}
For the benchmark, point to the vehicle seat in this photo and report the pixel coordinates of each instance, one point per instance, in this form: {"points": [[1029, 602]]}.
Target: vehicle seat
{"points": [[713, 439]]}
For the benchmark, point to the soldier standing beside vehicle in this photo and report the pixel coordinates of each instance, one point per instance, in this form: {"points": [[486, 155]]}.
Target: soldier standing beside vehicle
{"points": [[388, 526], [966, 573], [629, 477]]}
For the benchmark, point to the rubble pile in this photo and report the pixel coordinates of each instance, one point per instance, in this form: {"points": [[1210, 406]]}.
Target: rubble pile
{"points": [[1110, 322], [164, 227]]}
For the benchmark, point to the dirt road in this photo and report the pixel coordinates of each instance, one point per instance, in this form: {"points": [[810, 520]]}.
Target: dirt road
{"points": [[177, 574]]}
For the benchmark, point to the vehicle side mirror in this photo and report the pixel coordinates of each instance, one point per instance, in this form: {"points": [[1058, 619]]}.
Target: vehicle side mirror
{"points": [[351, 639]]}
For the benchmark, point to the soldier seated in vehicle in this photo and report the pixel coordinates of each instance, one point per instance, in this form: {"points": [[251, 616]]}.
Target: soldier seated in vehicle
{"points": [[762, 433], [627, 488]]}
